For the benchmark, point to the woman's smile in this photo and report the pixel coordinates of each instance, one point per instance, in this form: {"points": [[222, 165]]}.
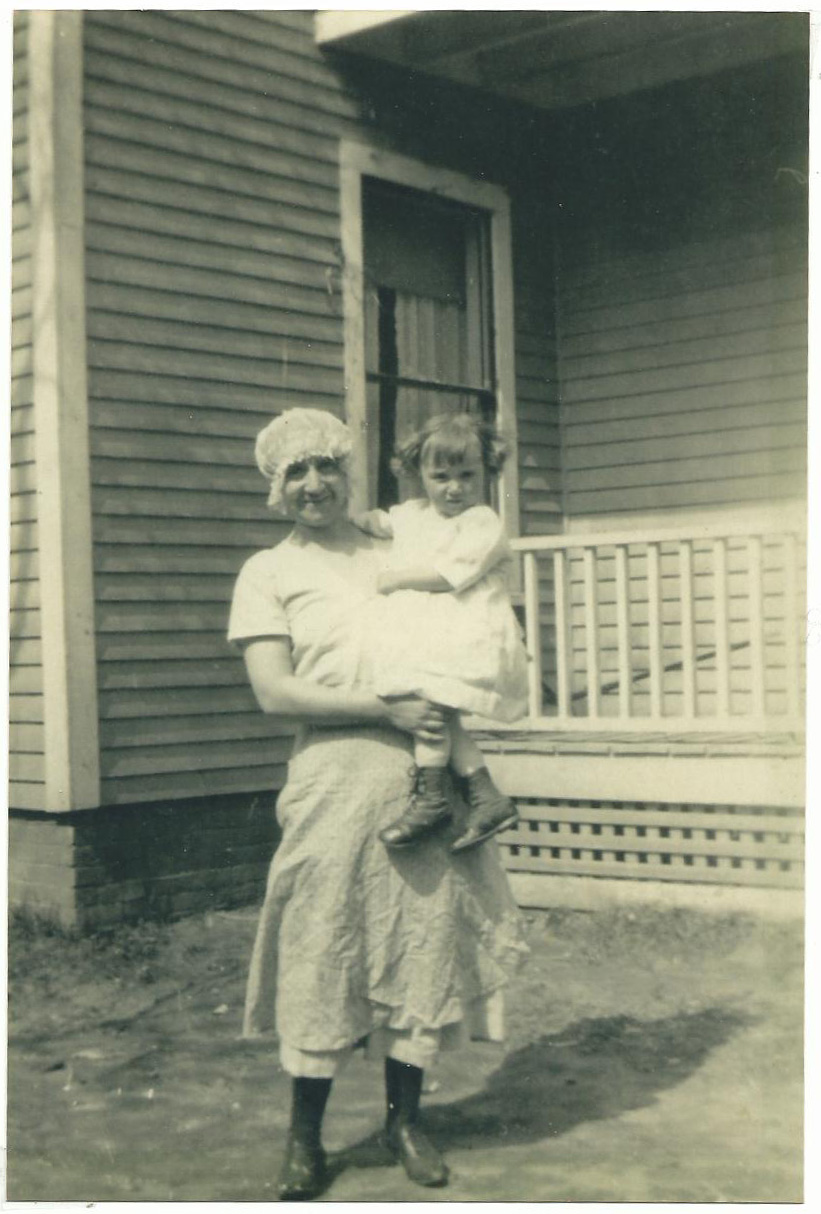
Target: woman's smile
{"points": [[315, 491]]}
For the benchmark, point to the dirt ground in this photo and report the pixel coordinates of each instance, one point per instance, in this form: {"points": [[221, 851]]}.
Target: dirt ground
{"points": [[652, 1056]]}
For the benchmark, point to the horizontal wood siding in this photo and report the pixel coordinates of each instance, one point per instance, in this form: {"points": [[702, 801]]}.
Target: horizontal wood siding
{"points": [[212, 221], [26, 745], [214, 300], [684, 377], [537, 375], [684, 388]]}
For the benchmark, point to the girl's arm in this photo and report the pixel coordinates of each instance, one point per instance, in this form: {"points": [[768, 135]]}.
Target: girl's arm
{"points": [[374, 522], [475, 545], [282, 694]]}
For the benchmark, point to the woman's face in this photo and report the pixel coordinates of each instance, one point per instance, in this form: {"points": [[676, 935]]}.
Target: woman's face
{"points": [[315, 492]]}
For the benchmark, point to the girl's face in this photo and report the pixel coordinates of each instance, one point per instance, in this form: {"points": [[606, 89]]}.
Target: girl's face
{"points": [[315, 492], [454, 487]]}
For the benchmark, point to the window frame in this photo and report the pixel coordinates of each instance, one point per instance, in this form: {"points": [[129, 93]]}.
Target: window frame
{"points": [[359, 160]]}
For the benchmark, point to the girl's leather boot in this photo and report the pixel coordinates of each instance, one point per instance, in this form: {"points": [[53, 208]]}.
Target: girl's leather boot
{"points": [[429, 809], [489, 811]]}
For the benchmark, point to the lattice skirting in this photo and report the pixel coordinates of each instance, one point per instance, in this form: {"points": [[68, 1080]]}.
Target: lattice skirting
{"points": [[716, 844]]}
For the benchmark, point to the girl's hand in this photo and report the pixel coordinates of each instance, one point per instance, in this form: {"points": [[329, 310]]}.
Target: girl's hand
{"points": [[374, 522], [414, 715]]}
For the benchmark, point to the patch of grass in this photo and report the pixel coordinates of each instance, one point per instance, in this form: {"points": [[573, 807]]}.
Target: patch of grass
{"points": [[649, 929], [39, 947], [27, 925]]}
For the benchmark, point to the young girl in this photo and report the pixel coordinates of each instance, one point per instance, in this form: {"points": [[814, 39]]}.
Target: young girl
{"points": [[445, 629]]}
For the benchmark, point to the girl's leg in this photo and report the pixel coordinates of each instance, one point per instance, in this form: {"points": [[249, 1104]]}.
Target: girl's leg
{"points": [[489, 811], [433, 754], [466, 757], [429, 805]]}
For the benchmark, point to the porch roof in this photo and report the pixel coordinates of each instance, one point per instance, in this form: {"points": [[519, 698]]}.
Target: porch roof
{"points": [[553, 59]]}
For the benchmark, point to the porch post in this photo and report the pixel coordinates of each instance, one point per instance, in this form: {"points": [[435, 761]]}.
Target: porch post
{"points": [[61, 410]]}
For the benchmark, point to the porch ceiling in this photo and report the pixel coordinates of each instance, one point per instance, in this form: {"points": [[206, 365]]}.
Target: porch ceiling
{"points": [[552, 59]]}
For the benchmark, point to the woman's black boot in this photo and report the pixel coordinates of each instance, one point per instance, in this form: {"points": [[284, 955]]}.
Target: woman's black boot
{"points": [[405, 1139], [303, 1170]]}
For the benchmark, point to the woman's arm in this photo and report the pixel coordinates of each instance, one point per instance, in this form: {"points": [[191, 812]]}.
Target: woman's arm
{"points": [[283, 694], [413, 577]]}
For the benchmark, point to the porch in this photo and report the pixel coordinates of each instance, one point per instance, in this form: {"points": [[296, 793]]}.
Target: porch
{"points": [[664, 739]]}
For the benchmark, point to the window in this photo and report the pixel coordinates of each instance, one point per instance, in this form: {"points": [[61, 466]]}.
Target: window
{"points": [[428, 334], [428, 310]]}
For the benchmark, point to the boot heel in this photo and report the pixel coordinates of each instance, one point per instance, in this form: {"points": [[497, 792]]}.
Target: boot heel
{"points": [[419, 1157]]}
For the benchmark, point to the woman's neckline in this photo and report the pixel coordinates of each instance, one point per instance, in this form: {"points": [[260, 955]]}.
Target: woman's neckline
{"points": [[345, 540]]}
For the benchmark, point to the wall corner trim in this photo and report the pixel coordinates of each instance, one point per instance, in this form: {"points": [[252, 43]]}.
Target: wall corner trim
{"points": [[61, 409]]}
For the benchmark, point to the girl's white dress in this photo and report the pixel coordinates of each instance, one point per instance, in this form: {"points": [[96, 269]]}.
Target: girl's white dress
{"points": [[461, 648]]}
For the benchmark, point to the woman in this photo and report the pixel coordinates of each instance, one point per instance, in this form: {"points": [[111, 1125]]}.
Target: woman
{"points": [[405, 950]]}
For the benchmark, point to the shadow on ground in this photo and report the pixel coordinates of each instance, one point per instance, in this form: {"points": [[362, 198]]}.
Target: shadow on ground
{"points": [[592, 1070]]}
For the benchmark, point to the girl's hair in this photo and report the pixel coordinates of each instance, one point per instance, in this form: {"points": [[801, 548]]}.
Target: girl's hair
{"points": [[446, 439]]}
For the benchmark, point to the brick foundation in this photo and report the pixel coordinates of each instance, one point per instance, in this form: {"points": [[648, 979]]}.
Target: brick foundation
{"points": [[102, 867]]}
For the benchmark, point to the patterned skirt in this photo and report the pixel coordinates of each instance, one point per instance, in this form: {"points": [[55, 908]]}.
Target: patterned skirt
{"points": [[353, 937]]}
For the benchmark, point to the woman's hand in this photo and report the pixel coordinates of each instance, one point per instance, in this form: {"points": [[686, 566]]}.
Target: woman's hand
{"points": [[386, 583], [414, 715], [414, 577]]}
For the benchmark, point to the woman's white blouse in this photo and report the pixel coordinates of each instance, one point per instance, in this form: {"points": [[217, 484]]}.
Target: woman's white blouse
{"points": [[300, 590]]}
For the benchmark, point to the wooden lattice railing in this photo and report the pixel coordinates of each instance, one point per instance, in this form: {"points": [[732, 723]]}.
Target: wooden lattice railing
{"points": [[674, 630]]}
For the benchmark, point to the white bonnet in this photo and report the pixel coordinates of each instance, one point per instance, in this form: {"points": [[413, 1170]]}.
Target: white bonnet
{"points": [[295, 435]]}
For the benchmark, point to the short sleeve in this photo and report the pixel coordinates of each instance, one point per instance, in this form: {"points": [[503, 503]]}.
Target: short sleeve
{"points": [[476, 544], [256, 608]]}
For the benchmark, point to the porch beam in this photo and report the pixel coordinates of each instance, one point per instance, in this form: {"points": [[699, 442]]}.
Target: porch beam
{"points": [[689, 728], [695, 532], [759, 780], [72, 778], [338, 25]]}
